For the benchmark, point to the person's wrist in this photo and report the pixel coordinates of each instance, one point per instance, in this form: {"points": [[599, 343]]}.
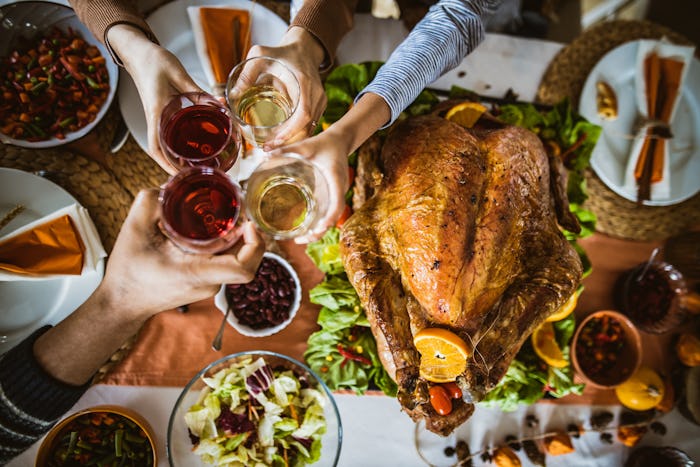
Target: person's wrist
{"points": [[307, 44], [128, 44]]}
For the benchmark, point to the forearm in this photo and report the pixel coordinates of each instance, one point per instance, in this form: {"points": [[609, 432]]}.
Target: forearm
{"points": [[438, 43], [130, 45], [369, 114], [73, 350]]}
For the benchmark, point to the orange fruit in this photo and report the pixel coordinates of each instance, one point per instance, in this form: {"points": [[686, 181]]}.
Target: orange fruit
{"points": [[466, 113], [566, 309], [443, 354], [643, 390], [546, 347]]}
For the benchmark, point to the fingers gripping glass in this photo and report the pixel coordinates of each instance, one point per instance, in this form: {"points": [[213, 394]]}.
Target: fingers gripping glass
{"points": [[263, 95]]}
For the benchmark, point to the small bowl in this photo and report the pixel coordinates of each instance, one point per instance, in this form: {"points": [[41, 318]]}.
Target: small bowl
{"points": [[29, 19], [653, 298], [52, 441], [180, 439], [627, 360], [235, 318]]}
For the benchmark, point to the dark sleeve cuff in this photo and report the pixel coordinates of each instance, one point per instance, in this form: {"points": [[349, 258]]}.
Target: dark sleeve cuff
{"points": [[327, 25], [29, 388]]}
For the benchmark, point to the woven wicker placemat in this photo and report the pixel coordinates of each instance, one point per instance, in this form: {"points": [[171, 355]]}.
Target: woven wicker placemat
{"points": [[565, 77]]}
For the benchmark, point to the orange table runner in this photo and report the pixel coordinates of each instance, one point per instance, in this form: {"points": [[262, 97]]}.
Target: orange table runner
{"points": [[172, 347]]}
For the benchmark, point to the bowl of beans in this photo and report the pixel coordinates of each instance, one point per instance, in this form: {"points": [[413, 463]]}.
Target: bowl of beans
{"points": [[56, 80], [108, 435], [268, 303], [606, 349]]}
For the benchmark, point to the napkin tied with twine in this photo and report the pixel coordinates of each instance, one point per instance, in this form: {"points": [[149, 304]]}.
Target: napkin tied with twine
{"points": [[663, 67], [64, 242]]}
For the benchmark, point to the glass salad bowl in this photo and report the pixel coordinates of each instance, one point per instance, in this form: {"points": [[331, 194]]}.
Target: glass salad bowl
{"points": [[257, 408]]}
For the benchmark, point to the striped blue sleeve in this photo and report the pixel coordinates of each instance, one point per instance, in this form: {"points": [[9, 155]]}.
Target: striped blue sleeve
{"points": [[449, 31]]}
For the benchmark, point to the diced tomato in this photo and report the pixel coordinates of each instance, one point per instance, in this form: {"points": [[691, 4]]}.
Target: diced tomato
{"points": [[347, 212]]}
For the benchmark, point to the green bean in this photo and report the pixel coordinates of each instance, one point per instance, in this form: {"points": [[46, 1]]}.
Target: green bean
{"points": [[72, 441], [118, 435]]}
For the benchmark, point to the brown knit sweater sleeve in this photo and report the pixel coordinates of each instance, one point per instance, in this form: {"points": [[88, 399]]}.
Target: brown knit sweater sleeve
{"points": [[100, 15], [328, 21]]}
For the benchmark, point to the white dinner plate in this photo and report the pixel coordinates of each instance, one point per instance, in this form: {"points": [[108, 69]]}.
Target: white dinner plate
{"points": [[171, 25], [28, 305], [610, 155]]}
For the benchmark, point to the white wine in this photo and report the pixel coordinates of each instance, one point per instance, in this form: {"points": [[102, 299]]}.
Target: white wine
{"points": [[264, 106], [284, 205]]}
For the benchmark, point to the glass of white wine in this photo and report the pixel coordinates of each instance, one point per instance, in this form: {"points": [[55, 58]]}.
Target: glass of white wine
{"points": [[263, 94], [286, 196]]}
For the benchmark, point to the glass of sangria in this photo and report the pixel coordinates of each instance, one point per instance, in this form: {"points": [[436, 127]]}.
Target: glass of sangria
{"points": [[286, 196], [263, 95], [200, 207], [196, 129]]}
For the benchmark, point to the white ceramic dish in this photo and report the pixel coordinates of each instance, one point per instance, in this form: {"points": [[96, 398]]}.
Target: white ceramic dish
{"points": [[28, 305], [23, 16], [609, 158], [222, 304], [171, 24]]}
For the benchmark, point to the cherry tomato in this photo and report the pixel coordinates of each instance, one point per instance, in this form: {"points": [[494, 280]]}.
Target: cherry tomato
{"points": [[453, 390], [344, 216], [440, 400]]}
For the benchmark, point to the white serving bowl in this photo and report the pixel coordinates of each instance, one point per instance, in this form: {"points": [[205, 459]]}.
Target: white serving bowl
{"points": [[221, 303]]}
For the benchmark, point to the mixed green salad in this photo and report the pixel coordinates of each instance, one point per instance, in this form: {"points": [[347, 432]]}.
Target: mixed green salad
{"points": [[250, 414], [343, 352]]}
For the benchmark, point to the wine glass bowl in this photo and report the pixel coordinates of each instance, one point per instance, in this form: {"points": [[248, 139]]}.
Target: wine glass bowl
{"points": [[196, 129], [286, 196], [262, 94], [200, 207]]}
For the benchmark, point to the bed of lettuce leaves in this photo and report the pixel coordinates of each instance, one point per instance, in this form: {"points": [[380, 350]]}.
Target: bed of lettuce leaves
{"points": [[344, 325]]}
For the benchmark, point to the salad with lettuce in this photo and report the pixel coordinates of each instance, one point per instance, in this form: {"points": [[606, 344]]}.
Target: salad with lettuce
{"points": [[343, 352], [250, 414]]}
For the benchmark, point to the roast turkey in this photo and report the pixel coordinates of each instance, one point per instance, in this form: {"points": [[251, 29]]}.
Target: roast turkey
{"points": [[457, 228]]}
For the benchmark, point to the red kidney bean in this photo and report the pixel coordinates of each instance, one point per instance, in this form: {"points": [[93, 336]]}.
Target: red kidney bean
{"points": [[266, 300]]}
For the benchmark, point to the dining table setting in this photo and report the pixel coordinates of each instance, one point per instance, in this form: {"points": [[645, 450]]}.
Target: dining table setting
{"points": [[641, 206]]}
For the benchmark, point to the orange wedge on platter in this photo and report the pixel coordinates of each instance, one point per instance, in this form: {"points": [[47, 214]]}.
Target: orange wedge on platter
{"points": [[443, 354], [466, 113], [546, 346], [566, 309]]}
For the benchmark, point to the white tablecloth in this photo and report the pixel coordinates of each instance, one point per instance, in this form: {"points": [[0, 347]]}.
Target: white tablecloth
{"points": [[376, 433]]}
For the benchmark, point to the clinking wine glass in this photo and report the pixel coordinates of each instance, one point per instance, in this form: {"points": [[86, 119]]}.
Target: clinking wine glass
{"points": [[195, 129], [286, 196], [200, 207], [262, 94]]}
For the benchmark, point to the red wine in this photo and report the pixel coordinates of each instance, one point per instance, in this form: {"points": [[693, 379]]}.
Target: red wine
{"points": [[200, 205], [201, 135]]}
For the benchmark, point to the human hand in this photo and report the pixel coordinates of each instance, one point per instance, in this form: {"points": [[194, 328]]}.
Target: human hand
{"points": [[157, 74], [329, 152], [303, 54], [147, 273]]}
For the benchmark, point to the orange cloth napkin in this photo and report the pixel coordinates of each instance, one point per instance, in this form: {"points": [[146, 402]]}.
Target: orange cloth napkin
{"points": [[662, 67], [64, 242], [50, 248]]}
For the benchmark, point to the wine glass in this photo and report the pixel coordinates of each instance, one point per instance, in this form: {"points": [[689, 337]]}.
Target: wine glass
{"points": [[196, 129], [200, 207], [263, 95], [286, 196]]}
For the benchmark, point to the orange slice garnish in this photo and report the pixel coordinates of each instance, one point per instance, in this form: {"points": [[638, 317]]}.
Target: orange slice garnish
{"points": [[566, 309], [443, 354], [546, 347], [466, 113]]}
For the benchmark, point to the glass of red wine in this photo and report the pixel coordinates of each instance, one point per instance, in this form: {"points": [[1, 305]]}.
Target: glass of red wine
{"points": [[200, 208], [197, 129]]}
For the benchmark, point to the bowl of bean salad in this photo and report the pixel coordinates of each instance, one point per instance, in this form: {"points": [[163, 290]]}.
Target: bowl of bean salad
{"points": [[56, 80], [268, 303], [107, 435]]}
